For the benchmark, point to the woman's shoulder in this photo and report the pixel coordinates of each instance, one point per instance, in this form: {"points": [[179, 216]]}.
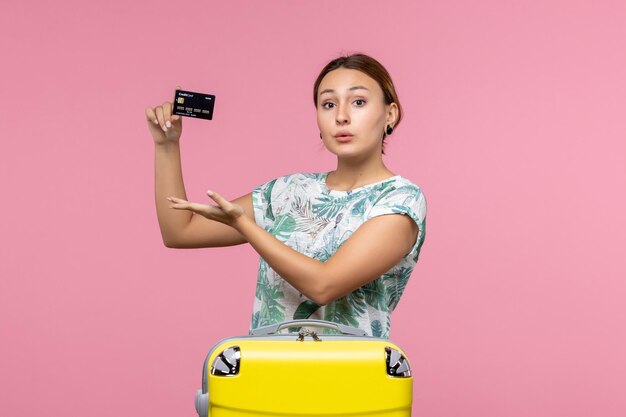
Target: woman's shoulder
{"points": [[401, 194], [401, 185], [400, 181]]}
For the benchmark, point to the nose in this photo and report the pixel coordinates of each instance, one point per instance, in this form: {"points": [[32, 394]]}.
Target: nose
{"points": [[342, 117]]}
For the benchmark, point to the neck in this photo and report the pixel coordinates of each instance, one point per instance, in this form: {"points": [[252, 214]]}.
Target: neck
{"points": [[352, 174]]}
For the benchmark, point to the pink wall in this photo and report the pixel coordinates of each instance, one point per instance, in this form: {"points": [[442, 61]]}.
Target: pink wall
{"points": [[514, 128]]}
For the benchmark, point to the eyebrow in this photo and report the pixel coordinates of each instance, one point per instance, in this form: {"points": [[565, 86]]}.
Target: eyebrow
{"points": [[356, 87]]}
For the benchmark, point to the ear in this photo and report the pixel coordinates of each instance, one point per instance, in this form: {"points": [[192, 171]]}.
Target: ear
{"points": [[392, 114]]}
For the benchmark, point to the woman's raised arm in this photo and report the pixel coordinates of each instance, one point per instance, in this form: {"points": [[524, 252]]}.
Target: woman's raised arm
{"points": [[182, 229]]}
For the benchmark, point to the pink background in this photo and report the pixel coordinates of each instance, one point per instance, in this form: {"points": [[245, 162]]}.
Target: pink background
{"points": [[515, 129]]}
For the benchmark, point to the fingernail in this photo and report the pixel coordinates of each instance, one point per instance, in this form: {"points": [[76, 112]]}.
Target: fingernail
{"points": [[168, 124], [155, 122], [209, 192], [164, 129]]}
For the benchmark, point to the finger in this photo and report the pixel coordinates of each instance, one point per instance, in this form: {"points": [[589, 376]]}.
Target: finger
{"points": [[150, 115], [159, 114], [167, 113], [202, 209], [176, 200], [221, 201], [183, 205]]}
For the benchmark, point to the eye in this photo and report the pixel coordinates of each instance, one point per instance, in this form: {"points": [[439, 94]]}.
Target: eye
{"points": [[328, 105], [359, 102]]}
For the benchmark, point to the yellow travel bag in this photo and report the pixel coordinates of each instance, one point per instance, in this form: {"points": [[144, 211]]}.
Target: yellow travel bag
{"points": [[305, 373]]}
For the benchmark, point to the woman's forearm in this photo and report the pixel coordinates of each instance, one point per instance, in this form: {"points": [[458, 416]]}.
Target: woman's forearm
{"points": [[377, 245], [168, 181]]}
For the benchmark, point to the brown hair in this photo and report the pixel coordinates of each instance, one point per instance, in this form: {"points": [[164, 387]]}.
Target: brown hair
{"points": [[367, 65]]}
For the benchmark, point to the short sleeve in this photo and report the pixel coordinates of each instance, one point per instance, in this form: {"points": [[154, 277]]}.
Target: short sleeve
{"points": [[405, 199], [262, 205]]}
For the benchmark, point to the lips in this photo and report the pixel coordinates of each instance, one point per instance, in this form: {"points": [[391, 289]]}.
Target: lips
{"points": [[344, 136]]}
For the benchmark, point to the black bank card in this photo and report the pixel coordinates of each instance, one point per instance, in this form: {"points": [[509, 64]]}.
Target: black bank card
{"points": [[190, 104]]}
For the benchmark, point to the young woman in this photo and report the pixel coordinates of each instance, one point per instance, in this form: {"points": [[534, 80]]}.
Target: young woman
{"points": [[336, 246]]}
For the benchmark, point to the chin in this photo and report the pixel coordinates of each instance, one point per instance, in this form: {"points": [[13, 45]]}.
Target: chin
{"points": [[348, 155], [349, 151]]}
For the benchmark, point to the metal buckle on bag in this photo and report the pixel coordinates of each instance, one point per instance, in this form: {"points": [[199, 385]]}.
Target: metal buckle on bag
{"points": [[306, 332], [397, 364], [227, 362]]}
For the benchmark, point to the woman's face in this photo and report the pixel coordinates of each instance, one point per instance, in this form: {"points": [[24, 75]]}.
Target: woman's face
{"points": [[352, 114]]}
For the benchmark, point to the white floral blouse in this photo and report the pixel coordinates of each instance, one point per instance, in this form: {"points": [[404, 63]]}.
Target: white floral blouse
{"points": [[301, 211]]}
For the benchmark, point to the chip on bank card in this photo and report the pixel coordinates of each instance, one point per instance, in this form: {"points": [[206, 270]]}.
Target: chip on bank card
{"points": [[190, 104]]}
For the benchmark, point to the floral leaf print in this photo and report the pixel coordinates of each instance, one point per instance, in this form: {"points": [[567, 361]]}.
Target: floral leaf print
{"points": [[283, 227], [271, 309], [339, 311], [420, 238], [305, 310], [395, 284], [267, 196], [255, 319], [357, 301], [375, 294], [399, 209], [327, 206], [384, 194], [388, 327], [337, 235], [270, 314], [358, 208], [377, 328], [393, 292], [262, 282], [306, 221], [331, 243], [270, 296]]}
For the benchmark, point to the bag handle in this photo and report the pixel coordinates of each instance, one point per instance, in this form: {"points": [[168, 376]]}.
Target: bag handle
{"points": [[274, 328]]}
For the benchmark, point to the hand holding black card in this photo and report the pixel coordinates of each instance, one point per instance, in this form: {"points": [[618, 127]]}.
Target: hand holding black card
{"points": [[190, 104]]}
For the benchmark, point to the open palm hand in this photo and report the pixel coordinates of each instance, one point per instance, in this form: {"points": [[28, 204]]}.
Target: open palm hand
{"points": [[224, 211]]}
